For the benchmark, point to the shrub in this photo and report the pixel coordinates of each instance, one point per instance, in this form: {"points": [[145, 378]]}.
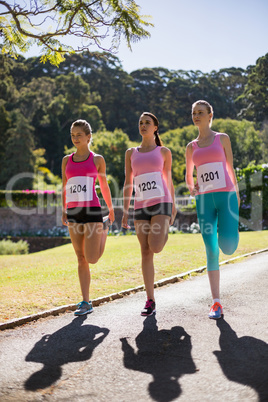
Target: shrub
{"points": [[253, 185], [8, 247], [29, 198]]}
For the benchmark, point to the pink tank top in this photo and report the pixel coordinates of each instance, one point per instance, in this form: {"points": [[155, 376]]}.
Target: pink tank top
{"points": [[210, 163], [80, 187], [150, 186]]}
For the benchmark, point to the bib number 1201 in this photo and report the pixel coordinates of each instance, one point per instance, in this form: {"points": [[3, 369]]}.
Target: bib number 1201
{"points": [[209, 176]]}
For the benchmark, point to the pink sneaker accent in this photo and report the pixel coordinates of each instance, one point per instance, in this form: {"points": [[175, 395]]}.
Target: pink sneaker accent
{"points": [[149, 308]]}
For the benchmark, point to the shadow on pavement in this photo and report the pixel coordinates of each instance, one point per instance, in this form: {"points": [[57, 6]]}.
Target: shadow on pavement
{"points": [[243, 360], [73, 343], [165, 354]]}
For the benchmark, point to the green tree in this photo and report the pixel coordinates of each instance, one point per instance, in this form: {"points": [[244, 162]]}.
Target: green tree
{"points": [[105, 75], [5, 123], [19, 153], [73, 100], [8, 89], [227, 85], [254, 97], [52, 104], [264, 142], [112, 146], [245, 140], [36, 96], [51, 24], [176, 140]]}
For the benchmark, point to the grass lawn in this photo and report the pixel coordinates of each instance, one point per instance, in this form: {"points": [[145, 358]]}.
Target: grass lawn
{"points": [[47, 279]]}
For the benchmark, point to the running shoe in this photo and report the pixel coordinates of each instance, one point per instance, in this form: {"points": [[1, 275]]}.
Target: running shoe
{"points": [[149, 308], [215, 311], [83, 308]]}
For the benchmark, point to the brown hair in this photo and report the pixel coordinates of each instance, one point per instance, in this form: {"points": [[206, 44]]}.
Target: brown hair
{"points": [[84, 124], [207, 105], [156, 123]]}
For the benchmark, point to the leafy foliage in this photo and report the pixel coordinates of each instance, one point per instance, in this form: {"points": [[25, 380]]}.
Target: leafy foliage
{"points": [[8, 247], [29, 198], [50, 24], [38, 103], [254, 98], [19, 148], [253, 185], [245, 139]]}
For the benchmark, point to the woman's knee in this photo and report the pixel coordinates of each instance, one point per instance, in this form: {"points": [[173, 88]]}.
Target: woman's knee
{"points": [[228, 246], [146, 251], [157, 246], [228, 241], [80, 258], [92, 258]]}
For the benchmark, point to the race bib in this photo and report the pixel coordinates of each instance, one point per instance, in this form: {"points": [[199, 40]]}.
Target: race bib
{"points": [[79, 189], [149, 185], [210, 176]]}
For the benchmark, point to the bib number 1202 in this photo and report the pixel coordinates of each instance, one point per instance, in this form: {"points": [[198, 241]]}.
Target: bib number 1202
{"points": [[209, 176], [149, 185]]}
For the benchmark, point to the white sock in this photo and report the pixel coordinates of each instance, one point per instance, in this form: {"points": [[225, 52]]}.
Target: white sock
{"points": [[216, 301]]}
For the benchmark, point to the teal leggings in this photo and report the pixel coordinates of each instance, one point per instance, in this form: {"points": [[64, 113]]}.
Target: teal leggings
{"points": [[218, 210]]}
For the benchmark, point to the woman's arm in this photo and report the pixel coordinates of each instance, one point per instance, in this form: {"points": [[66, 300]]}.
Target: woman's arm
{"points": [[167, 175], [226, 143], [63, 191], [128, 187], [190, 170], [105, 189]]}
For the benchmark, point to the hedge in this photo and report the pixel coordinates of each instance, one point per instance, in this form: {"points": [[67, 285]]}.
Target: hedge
{"points": [[29, 198]]}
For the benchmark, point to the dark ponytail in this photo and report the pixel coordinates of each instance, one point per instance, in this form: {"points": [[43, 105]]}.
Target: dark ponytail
{"points": [[158, 141]]}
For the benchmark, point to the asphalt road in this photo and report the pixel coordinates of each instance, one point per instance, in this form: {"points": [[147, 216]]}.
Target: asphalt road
{"points": [[114, 354]]}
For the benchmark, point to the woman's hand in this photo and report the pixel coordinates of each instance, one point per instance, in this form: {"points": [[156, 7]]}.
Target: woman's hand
{"points": [[111, 216], [173, 214], [64, 218], [194, 190], [124, 223], [238, 199]]}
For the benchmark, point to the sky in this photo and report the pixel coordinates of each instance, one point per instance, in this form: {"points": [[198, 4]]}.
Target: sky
{"points": [[199, 35]]}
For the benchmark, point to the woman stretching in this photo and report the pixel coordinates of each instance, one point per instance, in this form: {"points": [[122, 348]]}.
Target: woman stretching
{"points": [[154, 207], [216, 193], [81, 206]]}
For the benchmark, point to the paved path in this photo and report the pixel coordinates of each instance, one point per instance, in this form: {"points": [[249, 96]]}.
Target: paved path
{"points": [[116, 355]]}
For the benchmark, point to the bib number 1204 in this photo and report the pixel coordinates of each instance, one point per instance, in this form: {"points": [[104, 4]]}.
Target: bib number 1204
{"points": [[77, 188]]}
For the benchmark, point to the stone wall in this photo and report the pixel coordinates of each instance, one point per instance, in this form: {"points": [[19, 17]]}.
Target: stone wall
{"points": [[28, 220]]}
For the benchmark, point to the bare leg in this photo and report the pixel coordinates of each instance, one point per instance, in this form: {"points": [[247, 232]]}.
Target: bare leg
{"points": [[103, 240], [95, 240], [76, 231], [214, 280], [158, 234], [147, 256]]}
